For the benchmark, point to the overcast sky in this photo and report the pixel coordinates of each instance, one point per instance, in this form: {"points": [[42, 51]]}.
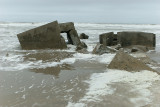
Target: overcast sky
{"points": [[95, 11]]}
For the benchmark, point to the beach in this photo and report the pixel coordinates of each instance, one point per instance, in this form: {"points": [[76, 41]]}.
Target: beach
{"points": [[66, 78]]}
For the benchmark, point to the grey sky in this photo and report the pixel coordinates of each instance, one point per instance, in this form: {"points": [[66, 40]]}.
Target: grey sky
{"points": [[96, 11]]}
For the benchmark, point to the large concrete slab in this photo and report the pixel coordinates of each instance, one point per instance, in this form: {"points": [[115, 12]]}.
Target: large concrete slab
{"points": [[46, 36], [136, 38]]}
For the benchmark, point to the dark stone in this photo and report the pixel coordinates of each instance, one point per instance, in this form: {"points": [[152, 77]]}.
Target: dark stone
{"points": [[136, 38], [83, 36], [46, 36]]}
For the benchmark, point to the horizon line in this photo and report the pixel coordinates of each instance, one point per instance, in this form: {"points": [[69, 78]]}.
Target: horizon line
{"points": [[76, 22]]}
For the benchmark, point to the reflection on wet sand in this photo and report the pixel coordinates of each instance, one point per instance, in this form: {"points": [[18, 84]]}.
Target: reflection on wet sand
{"points": [[23, 88], [67, 67], [48, 56], [60, 85], [154, 56], [49, 70], [53, 70]]}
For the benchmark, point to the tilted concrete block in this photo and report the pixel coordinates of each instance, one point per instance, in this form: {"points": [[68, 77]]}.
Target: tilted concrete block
{"points": [[46, 36]]}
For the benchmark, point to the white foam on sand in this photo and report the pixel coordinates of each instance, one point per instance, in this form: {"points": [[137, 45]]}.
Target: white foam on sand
{"points": [[37, 64], [105, 58], [100, 85], [16, 62], [84, 56], [76, 105]]}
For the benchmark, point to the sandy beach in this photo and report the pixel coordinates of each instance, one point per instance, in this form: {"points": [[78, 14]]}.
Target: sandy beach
{"points": [[66, 85], [66, 78]]}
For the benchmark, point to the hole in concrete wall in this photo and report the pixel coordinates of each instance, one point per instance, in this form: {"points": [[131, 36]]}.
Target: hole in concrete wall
{"points": [[115, 39], [64, 35], [67, 37]]}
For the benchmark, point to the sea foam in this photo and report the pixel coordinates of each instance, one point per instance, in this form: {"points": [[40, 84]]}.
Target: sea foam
{"points": [[100, 84]]}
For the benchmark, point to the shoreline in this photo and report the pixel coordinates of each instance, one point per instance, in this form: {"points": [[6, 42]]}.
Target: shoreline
{"points": [[24, 83]]}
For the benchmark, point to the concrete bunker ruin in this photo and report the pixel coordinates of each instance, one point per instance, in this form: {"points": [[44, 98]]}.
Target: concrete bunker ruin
{"points": [[48, 36], [71, 32], [128, 39]]}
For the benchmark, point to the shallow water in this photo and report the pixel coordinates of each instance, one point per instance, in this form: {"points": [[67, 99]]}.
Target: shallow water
{"points": [[59, 78]]}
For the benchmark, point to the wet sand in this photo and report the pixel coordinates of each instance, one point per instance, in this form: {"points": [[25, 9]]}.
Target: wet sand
{"points": [[63, 85], [51, 86], [54, 86], [40, 78]]}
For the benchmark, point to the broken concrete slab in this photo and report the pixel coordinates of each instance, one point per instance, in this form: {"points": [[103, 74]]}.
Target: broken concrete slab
{"points": [[136, 38], [129, 39], [101, 49], [81, 46], [72, 34], [124, 61], [74, 37], [46, 36], [108, 39]]}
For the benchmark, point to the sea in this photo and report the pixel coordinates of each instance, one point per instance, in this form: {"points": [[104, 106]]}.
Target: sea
{"points": [[66, 78]]}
